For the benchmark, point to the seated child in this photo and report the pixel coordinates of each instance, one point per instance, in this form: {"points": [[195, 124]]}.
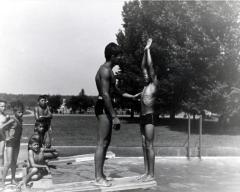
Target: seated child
{"points": [[37, 165], [13, 143]]}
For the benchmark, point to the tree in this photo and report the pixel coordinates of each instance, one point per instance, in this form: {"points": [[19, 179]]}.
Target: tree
{"points": [[80, 102], [195, 50], [17, 104], [55, 102]]}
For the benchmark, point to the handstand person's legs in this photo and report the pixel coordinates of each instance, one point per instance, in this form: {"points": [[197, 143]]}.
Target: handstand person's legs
{"points": [[103, 141]]}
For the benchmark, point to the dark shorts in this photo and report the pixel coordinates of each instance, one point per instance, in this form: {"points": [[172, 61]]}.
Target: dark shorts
{"points": [[147, 119], [99, 107], [13, 143]]}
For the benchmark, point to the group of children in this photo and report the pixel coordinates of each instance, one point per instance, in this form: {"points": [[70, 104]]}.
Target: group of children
{"points": [[39, 144]]}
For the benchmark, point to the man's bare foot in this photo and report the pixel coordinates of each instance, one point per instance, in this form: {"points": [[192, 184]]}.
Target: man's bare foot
{"points": [[24, 188], [14, 182], [148, 178], [149, 43], [20, 184], [103, 183], [142, 176], [107, 178]]}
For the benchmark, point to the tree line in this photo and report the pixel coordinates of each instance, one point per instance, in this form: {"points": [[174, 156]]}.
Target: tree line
{"points": [[195, 51], [77, 103]]}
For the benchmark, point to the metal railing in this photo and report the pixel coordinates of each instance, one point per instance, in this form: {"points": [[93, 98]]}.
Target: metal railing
{"points": [[189, 137]]}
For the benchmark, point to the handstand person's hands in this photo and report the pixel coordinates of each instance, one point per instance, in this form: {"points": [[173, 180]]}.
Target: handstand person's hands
{"points": [[116, 123]]}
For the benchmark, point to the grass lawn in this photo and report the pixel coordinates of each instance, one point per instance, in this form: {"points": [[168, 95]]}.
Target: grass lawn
{"points": [[81, 131]]}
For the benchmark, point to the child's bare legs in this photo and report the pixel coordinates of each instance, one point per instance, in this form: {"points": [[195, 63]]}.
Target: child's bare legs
{"points": [[14, 162], [47, 139], [2, 146], [7, 165], [33, 174]]}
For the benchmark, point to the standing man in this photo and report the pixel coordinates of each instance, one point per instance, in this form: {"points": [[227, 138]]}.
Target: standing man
{"points": [[106, 116], [147, 113]]}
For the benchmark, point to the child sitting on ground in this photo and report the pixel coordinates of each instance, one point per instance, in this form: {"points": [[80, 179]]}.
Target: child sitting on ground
{"points": [[37, 165], [13, 143]]}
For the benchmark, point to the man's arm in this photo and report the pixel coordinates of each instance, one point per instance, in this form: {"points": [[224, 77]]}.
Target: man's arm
{"points": [[124, 94], [36, 113], [105, 86], [149, 61], [143, 66]]}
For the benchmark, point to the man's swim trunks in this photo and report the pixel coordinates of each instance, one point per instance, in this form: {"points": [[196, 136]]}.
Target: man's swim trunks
{"points": [[99, 107], [147, 119]]}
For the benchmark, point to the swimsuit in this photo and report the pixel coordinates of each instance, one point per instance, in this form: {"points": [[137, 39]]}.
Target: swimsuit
{"points": [[15, 133], [99, 107], [46, 122], [147, 119]]}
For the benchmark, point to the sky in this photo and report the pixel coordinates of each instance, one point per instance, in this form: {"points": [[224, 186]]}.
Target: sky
{"points": [[55, 46]]}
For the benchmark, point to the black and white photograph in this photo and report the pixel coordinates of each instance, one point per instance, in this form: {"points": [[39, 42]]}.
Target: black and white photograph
{"points": [[120, 95]]}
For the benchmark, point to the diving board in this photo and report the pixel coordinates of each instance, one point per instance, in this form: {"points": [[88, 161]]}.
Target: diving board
{"points": [[80, 158], [118, 184]]}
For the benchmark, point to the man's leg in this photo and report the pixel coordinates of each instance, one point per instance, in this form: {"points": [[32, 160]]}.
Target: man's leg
{"points": [[103, 141], [149, 136], [144, 152]]}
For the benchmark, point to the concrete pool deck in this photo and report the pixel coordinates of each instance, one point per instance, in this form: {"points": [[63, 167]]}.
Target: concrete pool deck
{"points": [[172, 174]]}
